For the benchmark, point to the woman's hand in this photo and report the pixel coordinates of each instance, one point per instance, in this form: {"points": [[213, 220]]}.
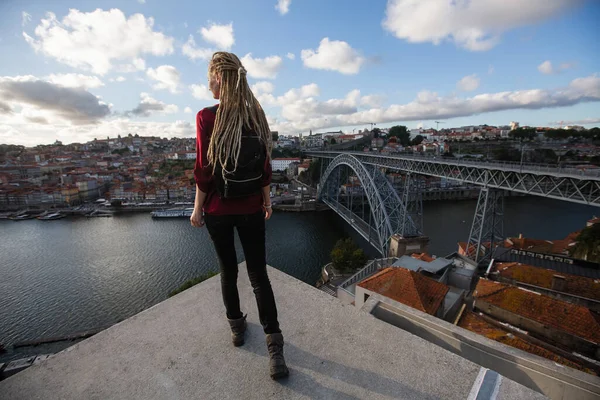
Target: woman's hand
{"points": [[268, 211], [197, 219]]}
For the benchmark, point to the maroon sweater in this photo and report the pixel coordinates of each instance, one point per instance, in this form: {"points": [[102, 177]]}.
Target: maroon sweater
{"points": [[214, 204]]}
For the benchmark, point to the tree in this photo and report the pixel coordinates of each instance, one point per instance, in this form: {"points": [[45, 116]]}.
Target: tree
{"points": [[275, 136], [376, 132], [587, 246], [332, 141], [347, 257], [417, 140], [523, 134], [401, 132]]}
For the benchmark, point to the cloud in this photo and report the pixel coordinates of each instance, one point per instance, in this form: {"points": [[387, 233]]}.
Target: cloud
{"points": [[262, 68], [468, 83], [473, 25], [283, 6], [82, 40], [262, 87], [75, 105], [141, 1], [219, 35], [5, 108], [548, 69], [431, 106], [31, 135], [187, 110], [166, 76], [333, 56], [201, 92], [291, 56], [148, 105], [190, 50], [372, 100], [25, 18], [120, 79], [75, 80]]}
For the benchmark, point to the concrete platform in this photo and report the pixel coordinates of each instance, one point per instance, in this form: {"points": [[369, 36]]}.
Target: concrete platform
{"points": [[180, 349]]}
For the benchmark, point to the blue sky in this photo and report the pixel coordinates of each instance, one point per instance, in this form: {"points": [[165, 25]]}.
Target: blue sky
{"points": [[95, 69]]}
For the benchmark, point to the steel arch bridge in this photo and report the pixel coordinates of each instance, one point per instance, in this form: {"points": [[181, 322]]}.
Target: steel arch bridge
{"points": [[388, 214]]}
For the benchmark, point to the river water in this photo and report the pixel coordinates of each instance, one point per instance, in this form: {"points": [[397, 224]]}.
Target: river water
{"points": [[66, 276]]}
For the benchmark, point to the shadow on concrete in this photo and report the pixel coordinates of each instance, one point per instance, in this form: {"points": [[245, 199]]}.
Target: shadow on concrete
{"points": [[306, 384]]}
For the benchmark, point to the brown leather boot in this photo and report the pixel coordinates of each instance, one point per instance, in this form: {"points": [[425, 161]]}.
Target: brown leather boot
{"points": [[238, 329], [276, 362]]}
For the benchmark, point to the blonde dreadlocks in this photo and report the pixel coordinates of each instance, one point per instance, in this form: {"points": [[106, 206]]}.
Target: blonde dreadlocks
{"points": [[238, 110]]}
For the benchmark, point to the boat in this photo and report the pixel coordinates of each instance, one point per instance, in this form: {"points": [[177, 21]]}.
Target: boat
{"points": [[51, 216], [173, 213], [99, 213], [22, 216]]}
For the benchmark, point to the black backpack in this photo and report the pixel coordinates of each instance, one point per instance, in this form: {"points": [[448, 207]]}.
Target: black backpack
{"points": [[247, 179]]}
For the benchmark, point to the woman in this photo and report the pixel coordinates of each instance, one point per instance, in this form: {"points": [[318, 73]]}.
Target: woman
{"points": [[224, 134]]}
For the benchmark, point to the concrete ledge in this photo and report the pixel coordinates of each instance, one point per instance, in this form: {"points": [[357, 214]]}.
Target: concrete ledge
{"points": [[180, 349], [554, 380]]}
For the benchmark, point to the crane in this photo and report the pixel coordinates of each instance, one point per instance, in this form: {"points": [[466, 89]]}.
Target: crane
{"points": [[438, 124]]}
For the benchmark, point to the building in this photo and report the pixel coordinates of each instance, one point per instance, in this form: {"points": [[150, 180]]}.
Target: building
{"points": [[406, 287], [571, 326], [282, 164]]}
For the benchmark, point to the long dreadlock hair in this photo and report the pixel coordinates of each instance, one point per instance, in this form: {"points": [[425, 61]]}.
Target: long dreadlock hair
{"points": [[238, 110]]}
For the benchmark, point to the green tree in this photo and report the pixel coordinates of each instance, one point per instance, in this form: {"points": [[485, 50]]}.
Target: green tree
{"points": [[332, 141], [376, 132], [347, 257], [401, 132], [523, 134], [587, 246], [417, 140], [275, 136]]}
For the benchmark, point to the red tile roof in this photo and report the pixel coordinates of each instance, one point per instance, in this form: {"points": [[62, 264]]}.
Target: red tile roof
{"points": [[575, 285], [574, 319], [423, 257], [407, 287], [477, 324]]}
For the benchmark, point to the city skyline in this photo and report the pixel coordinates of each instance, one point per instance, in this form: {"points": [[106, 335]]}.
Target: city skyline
{"points": [[391, 62]]}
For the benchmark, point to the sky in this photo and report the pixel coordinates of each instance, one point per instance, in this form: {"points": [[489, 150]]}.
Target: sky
{"points": [[78, 70]]}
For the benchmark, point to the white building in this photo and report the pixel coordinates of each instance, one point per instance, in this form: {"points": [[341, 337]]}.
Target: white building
{"points": [[282, 164]]}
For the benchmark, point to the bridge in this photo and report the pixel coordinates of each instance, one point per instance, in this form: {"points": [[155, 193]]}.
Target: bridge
{"points": [[392, 213]]}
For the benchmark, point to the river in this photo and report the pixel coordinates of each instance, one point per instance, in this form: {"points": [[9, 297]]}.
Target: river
{"points": [[71, 275]]}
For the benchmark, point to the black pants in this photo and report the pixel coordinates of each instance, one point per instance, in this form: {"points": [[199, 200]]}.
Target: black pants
{"points": [[251, 230]]}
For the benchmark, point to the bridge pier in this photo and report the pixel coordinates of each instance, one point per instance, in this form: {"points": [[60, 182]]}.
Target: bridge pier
{"points": [[487, 230]]}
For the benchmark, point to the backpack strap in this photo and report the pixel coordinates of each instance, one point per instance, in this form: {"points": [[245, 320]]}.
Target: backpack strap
{"points": [[213, 109]]}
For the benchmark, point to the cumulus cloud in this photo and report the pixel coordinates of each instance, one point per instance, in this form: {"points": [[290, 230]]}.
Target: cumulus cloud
{"points": [[75, 80], [333, 55], [201, 92], [548, 69], [219, 35], [148, 106], [82, 40], [5, 108], [468, 83], [120, 79], [75, 105], [263, 87], [372, 100], [190, 50], [188, 110], [283, 6], [166, 77], [473, 25], [262, 68], [431, 106], [291, 56]]}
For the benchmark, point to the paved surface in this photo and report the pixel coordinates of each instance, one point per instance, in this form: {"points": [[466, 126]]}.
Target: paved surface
{"points": [[180, 349]]}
